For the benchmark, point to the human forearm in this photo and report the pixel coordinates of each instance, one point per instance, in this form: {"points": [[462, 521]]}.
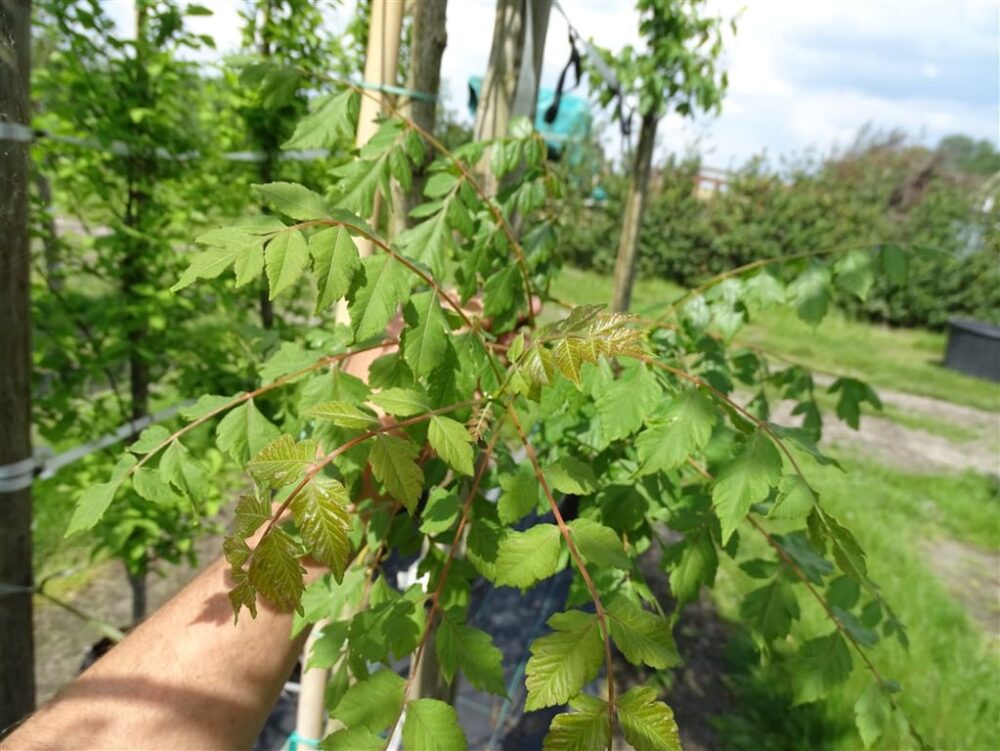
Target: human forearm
{"points": [[187, 678]]}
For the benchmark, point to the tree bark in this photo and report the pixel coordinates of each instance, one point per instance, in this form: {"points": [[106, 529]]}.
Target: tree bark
{"points": [[50, 243], [137, 584], [635, 205], [137, 248], [430, 37], [17, 676], [500, 99], [269, 146]]}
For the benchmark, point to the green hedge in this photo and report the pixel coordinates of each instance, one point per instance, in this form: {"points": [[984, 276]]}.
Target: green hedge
{"points": [[878, 194]]}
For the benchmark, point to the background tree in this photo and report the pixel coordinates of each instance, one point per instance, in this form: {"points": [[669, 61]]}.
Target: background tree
{"points": [[679, 70], [136, 98]]}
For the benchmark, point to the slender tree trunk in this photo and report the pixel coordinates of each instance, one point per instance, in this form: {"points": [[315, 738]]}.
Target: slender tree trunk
{"points": [[50, 243], [268, 146], [430, 37], [509, 88], [137, 250], [635, 205], [17, 653], [266, 304], [137, 584]]}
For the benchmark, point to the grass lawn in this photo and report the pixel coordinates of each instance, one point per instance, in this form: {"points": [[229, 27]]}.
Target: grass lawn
{"points": [[950, 675], [899, 359]]}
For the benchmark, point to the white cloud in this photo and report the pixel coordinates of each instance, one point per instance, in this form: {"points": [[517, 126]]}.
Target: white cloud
{"points": [[802, 74]]}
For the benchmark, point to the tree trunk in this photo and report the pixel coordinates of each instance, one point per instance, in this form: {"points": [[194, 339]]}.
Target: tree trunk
{"points": [[137, 250], [430, 37], [137, 584], [635, 205], [17, 675], [268, 146], [50, 243], [510, 89]]}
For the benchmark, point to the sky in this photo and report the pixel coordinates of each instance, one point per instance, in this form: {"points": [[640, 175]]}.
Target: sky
{"points": [[805, 75]]}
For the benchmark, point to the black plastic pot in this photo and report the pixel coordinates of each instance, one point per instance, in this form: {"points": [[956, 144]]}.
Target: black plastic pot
{"points": [[974, 348]]}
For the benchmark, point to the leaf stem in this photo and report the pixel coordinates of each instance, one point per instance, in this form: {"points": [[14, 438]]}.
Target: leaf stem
{"points": [[343, 448], [577, 559], [443, 576]]}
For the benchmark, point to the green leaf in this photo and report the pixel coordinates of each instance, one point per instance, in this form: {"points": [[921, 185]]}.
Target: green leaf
{"points": [[623, 403], [810, 293], [440, 513], [275, 571], [771, 609], [795, 498], [293, 200], [425, 339], [282, 461], [472, 650], [353, 739], [328, 648], [853, 273], [520, 494], [501, 290], [286, 257], [335, 262], [564, 661], [665, 446], [643, 637], [599, 545], [432, 725], [745, 481], [853, 393], [331, 118], [847, 552], [150, 485], [242, 595], [177, 468], [588, 728], [320, 512], [824, 663], [572, 476], [696, 565], [251, 512], [528, 557], [150, 439], [393, 462], [244, 432], [232, 247], [430, 242], [374, 299], [342, 414], [96, 499], [394, 624], [452, 443], [401, 402], [374, 704], [895, 264], [289, 358], [872, 712], [647, 724], [206, 403]]}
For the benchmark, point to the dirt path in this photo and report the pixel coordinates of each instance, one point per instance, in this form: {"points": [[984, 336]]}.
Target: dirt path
{"points": [[908, 448]]}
